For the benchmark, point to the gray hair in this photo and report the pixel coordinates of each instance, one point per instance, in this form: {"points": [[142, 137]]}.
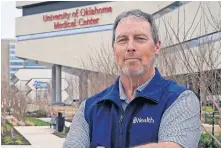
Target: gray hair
{"points": [[139, 14]]}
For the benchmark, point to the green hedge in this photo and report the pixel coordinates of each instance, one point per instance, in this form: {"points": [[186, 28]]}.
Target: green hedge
{"points": [[206, 139]]}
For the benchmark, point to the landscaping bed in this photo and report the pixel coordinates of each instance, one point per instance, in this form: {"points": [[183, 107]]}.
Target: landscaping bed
{"points": [[35, 122], [10, 136], [62, 134], [205, 141]]}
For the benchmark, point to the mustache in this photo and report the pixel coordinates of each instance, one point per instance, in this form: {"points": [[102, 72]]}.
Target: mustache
{"points": [[131, 56]]}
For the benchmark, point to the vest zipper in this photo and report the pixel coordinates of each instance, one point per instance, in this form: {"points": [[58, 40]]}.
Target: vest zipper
{"points": [[121, 122], [121, 130]]}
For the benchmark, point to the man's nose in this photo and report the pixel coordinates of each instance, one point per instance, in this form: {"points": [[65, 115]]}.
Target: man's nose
{"points": [[131, 46]]}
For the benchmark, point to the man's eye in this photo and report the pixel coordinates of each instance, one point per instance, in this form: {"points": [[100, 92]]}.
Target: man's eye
{"points": [[122, 40], [140, 38]]}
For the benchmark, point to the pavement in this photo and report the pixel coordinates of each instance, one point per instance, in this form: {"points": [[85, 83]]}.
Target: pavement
{"points": [[39, 137]]}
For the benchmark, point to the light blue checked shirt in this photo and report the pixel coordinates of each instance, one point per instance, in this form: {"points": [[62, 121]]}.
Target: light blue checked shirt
{"points": [[124, 99], [180, 122]]}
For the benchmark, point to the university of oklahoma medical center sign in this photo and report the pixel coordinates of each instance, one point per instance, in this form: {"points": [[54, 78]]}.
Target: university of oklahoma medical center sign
{"points": [[76, 18]]}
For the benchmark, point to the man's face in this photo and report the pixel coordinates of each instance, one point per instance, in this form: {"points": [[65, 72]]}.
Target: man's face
{"points": [[134, 47]]}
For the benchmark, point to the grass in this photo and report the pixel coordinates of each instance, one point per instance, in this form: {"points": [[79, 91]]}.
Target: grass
{"points": [[62, 134], [37, 122]]}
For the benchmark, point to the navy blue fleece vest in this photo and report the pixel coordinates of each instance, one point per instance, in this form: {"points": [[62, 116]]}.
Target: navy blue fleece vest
{"points": [[112, 127]]}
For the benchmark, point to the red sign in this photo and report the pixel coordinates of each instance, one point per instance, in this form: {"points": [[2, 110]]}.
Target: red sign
{"points": [[76, 18]]}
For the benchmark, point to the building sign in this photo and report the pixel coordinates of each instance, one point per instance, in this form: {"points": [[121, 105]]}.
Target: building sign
{"points": [[76, 18], [39, 84]]}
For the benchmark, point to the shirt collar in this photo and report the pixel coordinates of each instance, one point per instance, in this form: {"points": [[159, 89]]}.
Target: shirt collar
{"points": [[140, 88], [152, 92]]}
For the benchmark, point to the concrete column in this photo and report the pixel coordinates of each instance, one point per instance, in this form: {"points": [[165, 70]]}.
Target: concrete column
{"points": [[83, 86], [53, 81], [58, 83]]}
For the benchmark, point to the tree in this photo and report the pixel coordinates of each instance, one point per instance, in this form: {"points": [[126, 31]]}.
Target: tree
{"points": [[198, 60], [106, 72], [191, 54]]}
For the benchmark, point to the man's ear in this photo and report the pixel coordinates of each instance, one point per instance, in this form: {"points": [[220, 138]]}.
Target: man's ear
{"points": [[157, 47]]}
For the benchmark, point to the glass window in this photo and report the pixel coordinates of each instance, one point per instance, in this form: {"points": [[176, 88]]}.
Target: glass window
{"points": [[12, 52], [16, 63], [11, 75], [12, 46], [14, 58], [31, 64], [14, 69]]}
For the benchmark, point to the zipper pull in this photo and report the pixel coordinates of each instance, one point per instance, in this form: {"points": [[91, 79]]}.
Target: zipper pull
{"points": [[121, 118]]}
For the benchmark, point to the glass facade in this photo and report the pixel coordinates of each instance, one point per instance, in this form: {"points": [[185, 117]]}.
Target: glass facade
{"points": [[12, 52], [16, 63], [31, 64], [12, 57], [14, 69]]}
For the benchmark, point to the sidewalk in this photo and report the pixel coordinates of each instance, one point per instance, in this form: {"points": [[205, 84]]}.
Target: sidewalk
{"points": [[68, 124], [39, 137]]}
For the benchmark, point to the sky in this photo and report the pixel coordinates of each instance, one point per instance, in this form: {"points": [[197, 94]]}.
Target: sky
{"points": [[8, 15]]}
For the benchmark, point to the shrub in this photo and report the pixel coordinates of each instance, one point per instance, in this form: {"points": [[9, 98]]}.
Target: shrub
{"points": [[40, 113], [8, 140], [8, 127], [206, 139], [208, 109], [18, 140]]}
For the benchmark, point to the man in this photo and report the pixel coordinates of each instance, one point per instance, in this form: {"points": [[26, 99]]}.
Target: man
{"points": [[141, 109]]}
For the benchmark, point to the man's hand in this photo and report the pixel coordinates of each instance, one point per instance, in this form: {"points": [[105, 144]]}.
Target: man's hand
{"points": [[160, 145]]}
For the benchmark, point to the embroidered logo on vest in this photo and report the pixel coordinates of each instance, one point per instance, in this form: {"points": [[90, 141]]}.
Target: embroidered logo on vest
{"points": [[143, 120]]}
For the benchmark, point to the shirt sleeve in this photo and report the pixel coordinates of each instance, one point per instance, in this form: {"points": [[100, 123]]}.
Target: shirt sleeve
{"points": [[181, 121], [78, 135]]}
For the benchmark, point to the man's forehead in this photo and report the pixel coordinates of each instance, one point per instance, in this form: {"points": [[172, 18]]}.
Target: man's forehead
{"points": [[132, 19], [132, 25], [133, 33]]}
